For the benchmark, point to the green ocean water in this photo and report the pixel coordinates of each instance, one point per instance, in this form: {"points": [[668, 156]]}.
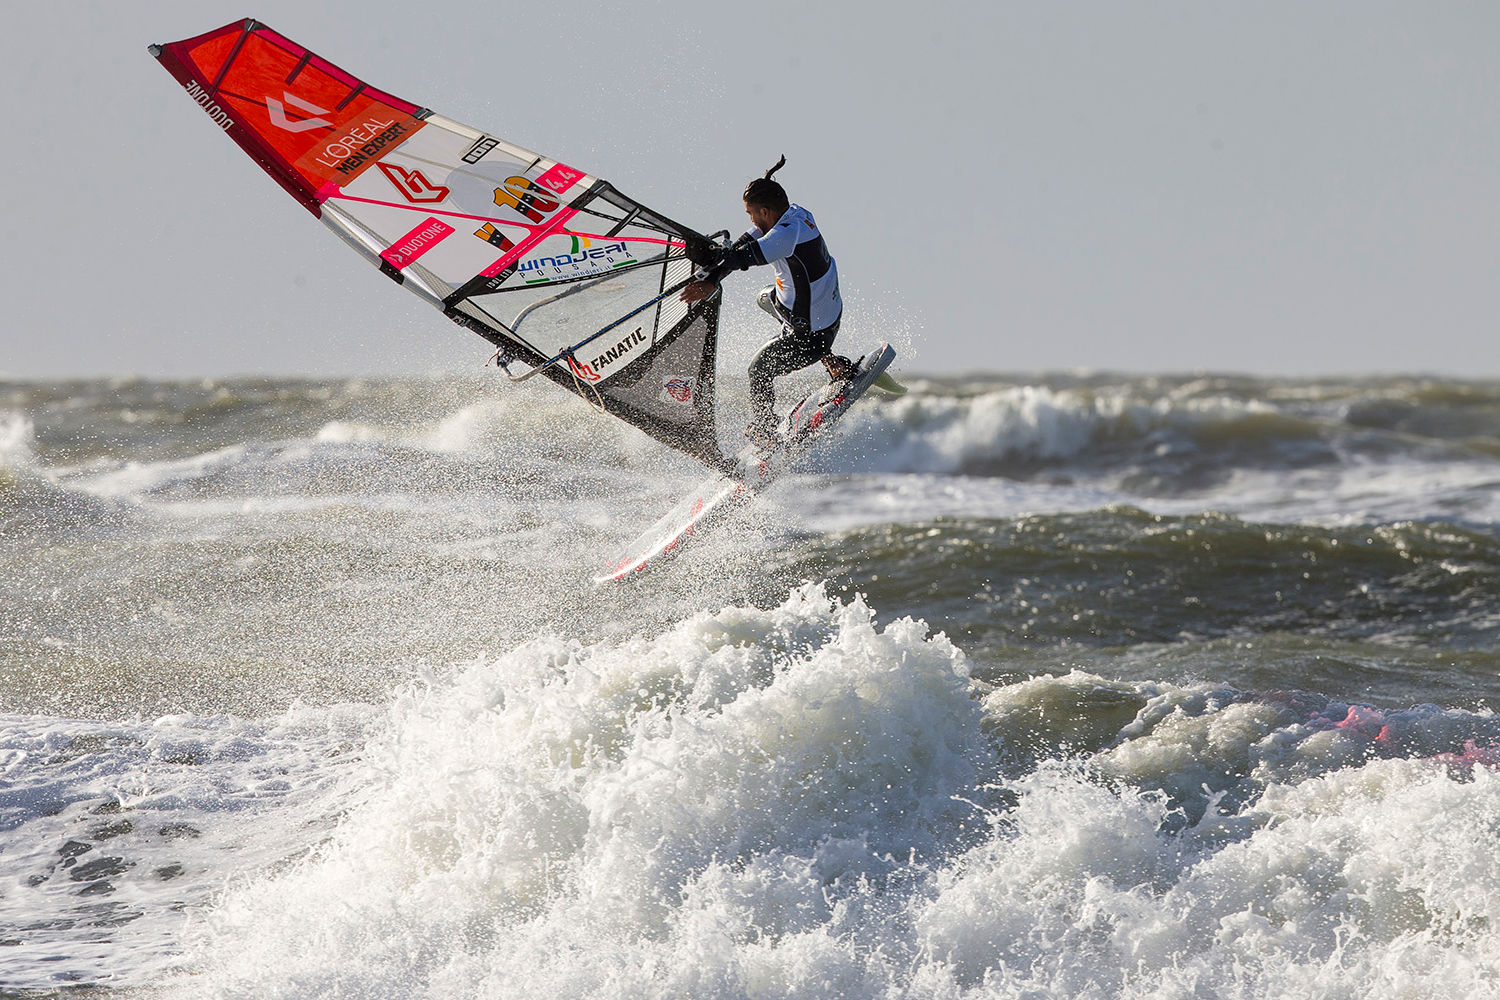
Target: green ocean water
{"points": [[1107, 685]]}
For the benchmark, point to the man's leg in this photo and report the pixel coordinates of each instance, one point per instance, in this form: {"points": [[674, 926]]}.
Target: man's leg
{"points": [[839, 367], [790, 352]]}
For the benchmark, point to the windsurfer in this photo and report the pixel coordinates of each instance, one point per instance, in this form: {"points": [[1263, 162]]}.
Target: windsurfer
{"points": [[804, 299]]}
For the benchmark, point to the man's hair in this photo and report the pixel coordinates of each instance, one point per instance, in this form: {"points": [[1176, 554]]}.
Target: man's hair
{"points": [[766, 193]]}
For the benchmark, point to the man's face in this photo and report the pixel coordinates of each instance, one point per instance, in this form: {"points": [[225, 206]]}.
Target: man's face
{"points": [[761, 218]]}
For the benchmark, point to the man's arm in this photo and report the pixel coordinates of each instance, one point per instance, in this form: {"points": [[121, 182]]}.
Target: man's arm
{"points": [[715, 262]]}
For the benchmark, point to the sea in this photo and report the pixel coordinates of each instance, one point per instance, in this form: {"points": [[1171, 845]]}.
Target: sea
{"points": [[1078, 685]]}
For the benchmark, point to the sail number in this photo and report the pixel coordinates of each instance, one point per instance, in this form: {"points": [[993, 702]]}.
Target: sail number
{"points": [[526, 197]]}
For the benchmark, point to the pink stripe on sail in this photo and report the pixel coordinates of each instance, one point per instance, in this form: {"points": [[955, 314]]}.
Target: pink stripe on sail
{"points": [[524, 247]]}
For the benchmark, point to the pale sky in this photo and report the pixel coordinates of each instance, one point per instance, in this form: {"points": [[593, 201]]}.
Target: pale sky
{"points": [[1289, 187]]}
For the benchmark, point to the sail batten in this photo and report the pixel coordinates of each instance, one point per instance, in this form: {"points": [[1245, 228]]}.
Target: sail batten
{"points": [[540, 258]]}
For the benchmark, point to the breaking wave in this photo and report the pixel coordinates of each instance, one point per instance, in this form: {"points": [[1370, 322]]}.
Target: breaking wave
{"points": [[1186, 428], [798, 802]]}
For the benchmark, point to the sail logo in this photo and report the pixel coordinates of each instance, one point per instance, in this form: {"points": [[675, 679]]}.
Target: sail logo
{"points": [[590, 371], [349, 153], [480, 148], [491, 235], [677, 390], [582, 370], [536, 199], [599, 256], [280, 120], [526, 197], [414, 244], [414, 187], [205, 101]]}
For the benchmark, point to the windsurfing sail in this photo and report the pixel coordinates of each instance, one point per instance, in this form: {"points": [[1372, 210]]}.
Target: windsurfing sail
{"points": [[550, 264]]}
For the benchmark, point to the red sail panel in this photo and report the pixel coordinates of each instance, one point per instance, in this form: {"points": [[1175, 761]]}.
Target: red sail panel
{"points": [[304, 120]]}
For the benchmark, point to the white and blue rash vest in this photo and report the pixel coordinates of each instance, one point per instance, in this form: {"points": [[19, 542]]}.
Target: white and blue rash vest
{"points": [[807, 278]]}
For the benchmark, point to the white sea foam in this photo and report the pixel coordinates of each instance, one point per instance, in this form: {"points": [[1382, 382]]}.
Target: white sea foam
{"points": [[499, 425], [567, 817], [468, 427], [950, 433], [15, 441], [1170, 455], [110, 829], [920, 433], [1369, 881], [996, 453], [136, 479], [795, 802]]}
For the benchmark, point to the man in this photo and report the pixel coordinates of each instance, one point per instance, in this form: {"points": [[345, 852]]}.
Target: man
{"points": [[805, 297]]}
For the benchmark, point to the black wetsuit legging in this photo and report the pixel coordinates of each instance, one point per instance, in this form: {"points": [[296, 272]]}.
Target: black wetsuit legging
{"points": [[794, 350]]}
